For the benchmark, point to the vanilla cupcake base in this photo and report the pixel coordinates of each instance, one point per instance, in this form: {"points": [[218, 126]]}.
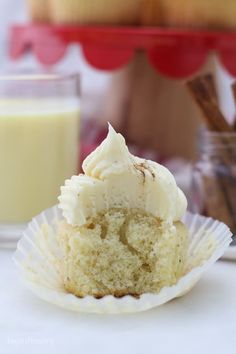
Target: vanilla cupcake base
{"points": [[122, 252], [40, 260]]}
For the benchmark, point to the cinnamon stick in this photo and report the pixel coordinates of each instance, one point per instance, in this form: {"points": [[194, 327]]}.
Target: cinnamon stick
{"points": [[203, 92], [220, 186], [233, 87]]}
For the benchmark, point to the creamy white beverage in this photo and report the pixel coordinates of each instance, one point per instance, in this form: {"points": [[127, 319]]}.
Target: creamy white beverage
{"points": [[38, 151]]}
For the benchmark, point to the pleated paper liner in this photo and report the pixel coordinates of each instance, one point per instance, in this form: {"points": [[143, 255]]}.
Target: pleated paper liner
{"points": [[39, 258]]}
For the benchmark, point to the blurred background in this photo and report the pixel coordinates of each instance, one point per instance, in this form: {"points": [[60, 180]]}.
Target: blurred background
{"points": [[133, 98], [145, 98]]}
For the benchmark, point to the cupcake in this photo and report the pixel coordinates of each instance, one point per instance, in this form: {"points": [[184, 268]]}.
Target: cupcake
{"points": [[39, 10], [121, 241], [199, 13], [122, 232], [150, 12], [96, 12]]}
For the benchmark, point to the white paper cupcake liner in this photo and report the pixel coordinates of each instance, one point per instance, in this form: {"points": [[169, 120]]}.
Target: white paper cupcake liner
{"points": [[39, 258]]}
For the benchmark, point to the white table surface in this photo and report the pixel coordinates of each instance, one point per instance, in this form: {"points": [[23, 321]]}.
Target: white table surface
{"points": [[203, 321]]}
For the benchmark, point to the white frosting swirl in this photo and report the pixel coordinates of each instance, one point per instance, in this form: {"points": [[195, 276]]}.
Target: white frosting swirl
{"points": [[114, 178]]}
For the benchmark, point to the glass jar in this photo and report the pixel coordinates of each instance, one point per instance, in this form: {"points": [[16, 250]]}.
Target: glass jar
{"points": [[39, 132], [214, 177]]}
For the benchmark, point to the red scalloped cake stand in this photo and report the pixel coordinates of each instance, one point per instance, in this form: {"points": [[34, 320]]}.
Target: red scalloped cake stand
{"points": [[173, 52]]}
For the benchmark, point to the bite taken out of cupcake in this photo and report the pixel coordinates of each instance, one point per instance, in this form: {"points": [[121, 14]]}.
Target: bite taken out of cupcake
{"points": [[122, 232]]}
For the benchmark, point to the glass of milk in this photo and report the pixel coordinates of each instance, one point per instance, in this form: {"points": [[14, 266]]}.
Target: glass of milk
{"points": [[39, 145]]}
